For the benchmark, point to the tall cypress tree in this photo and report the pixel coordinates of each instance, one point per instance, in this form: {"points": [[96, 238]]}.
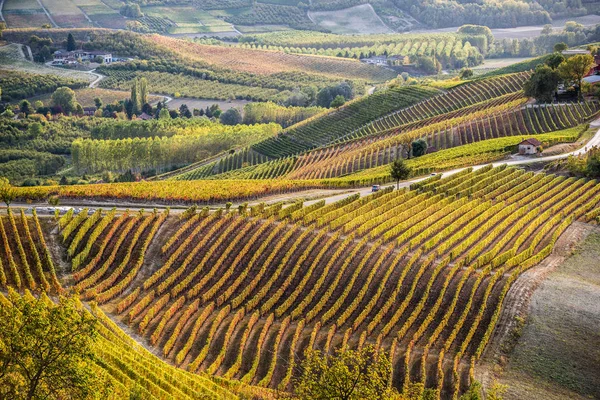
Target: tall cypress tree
{"points": [[71, 44], [135, 96], [143, 91]]}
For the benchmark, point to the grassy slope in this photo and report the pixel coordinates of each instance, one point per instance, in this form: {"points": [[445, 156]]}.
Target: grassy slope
{"points": [[559, 352]]}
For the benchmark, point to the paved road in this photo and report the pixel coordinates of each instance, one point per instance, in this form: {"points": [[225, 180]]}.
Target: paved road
{"points": [[329, 198], [594, 141]]}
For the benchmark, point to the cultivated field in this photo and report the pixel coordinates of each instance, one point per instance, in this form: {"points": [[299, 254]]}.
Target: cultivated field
{"points": [[86, 96], [419, 273], [355, 20], [268, 62]]}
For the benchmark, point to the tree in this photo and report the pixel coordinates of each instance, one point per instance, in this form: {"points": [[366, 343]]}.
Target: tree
{"points": [[215, 110], [419, 147], [399, 171], [64, 98], [7, 193], [231, 117], [347, 375], [546, 30], [560, 47], [575, 68], [35, 129], [466, 73], [338, 101], [143, 91], [184, 111], [164, 114], [71, 44], [98, 102], [47, 350], [542, 84], [554, 60], [135, 96], [25, 107]]}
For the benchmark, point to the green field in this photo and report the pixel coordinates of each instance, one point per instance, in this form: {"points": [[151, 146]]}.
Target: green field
{"points": [[355, 20], [261, 28], [11, 5], [188, 19]]}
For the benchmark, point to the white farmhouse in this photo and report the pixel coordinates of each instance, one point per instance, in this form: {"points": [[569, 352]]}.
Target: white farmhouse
{"points": [[529, 146]]}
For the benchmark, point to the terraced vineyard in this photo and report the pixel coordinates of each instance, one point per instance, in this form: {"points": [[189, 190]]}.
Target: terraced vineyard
{"points": [[390, 114], [505, 117], [402, 113], [25, 260], [419, 273]]}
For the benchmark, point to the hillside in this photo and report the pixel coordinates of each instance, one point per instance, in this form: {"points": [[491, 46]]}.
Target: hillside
{"points": [[196, 17], [223, 303], [222, 200]]}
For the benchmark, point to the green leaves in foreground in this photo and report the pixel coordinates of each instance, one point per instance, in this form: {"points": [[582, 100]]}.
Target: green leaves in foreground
{"points": [[347, 375], [46, 349]]}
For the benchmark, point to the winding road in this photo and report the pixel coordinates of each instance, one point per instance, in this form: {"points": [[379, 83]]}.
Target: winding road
{"points": [[330, 195], [99, 77]]}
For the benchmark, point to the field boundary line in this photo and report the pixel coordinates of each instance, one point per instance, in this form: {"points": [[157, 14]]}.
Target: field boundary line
{"points": [[48, 14]]}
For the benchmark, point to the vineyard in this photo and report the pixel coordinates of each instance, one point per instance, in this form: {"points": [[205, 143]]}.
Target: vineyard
{"points": [[420, 273], [369, 132], [172, 192], [186, 86], [17, 85], [25, 260], [270, 62], [451, 50]]}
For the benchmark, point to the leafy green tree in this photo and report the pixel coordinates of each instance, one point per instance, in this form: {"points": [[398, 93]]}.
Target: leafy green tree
{"points": [[466, 73], [554, 60], [347, 375], [25, 107], [547, 30], [338, 101], [35, 129], [143, 95], [7, 193], [47, 350], [399, 171], [419, 147], [64, 98], [231, 117], [575, 68], [542, 84], [135, 97], [559, 47], [164, 114], [71, 44], [98, 102]]}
